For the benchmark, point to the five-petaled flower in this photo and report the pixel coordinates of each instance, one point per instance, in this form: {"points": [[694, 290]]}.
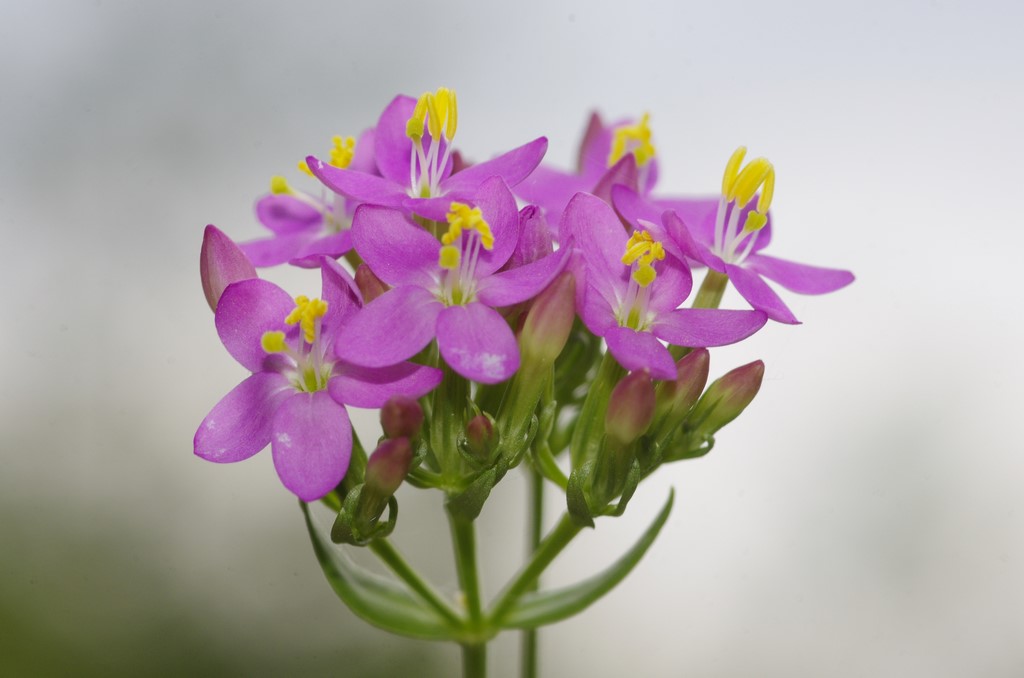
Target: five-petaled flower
{"points": [[296, 396]]}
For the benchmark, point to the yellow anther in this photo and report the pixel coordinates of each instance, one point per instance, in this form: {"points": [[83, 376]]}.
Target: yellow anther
{"points": [[273, 342], [749, 180], [462, 217], [279, 185], [644, 247], [342, 151], [755, 222], [635, 139], [452, 122], [732, 168], [304, 168], [306, 312], [644, 275], [414, 128], [767, 192], [449, 257]]}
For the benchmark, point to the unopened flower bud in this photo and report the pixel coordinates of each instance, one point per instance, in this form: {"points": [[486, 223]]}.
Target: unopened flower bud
{"points": [[401, 417], [675, 398], [387, 467], [370, 286], [630, 408], [726, 398], [534, 238], [480, 436], [221, 262], [549, 320]]}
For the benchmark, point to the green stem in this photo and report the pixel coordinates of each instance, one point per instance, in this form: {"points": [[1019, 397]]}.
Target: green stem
{"points": [[529, 637], [474, 654], [589, 428], [393, 559], [556, 540]]}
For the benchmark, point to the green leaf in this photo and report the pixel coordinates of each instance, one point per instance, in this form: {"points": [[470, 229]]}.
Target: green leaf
{"points": [[374, 599], [547, 607]]}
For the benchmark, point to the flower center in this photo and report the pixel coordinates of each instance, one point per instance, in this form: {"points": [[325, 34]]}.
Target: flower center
{"points": [[467, 234], [437, 113], [642, 250], [332, 208], [308, 368], [738, 188]]}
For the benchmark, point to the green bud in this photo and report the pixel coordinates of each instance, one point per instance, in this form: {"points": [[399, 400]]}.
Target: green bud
{"points": [[370, 286], [630, 408], [401, 417], [725, 399], [549, 321]]}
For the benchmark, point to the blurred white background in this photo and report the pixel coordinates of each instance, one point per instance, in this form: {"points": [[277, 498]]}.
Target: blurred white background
{"points": [[864, 518]]}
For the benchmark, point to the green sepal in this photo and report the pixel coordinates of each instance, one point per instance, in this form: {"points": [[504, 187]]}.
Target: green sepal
{"points": [[378, 601], [576, 498], [632, 480], [468, 503], [347, 530], [547, 607]]}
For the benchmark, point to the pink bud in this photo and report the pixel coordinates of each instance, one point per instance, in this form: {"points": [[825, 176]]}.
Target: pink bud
{"points": [[675, 398], [370, 286], [388, 466], [221, 262], [549, 320], [630, 408], [401, 417], [480, 435], [726, 398]]}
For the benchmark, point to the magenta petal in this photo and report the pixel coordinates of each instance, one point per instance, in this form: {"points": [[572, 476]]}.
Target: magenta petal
{"points": [[522, 283], [672, 285], [357, 185], [512, 166], [551, 189], [246, 310], [398, 252], [221, 262], [333, 246], [373, 386], [599, 234], [498, 206], [759, 294], [799, 278], [640, 351], [276, 250], [703, 327], [239, 425], [596, 311], [364, 159], [393, 327], [632, 207], [341, 294], [391, 145], [477, 343], [697, 213], [311, 444], [622, 173], [284, 214], [681, 238]]}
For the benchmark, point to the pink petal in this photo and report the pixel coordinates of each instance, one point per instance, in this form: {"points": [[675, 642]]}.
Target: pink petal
{"points": [[276, 250], [341, 294], [551, 189], [239, 425], [498, 206], [247, 310], [285, 214], [760, 295], [393, 327], [477, 343], [393, 147], [373, 386], [640, 351], [622, 173], [599, 234], [397, 251], [311, 444], [358, 185], [333, 246], [522, 283], [512, 166], [703, 327], [221, 262], [799, 278]]}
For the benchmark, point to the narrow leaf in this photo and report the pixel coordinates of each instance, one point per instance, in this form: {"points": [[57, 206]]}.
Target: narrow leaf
{"points": [[547, 607], [374, 599]]}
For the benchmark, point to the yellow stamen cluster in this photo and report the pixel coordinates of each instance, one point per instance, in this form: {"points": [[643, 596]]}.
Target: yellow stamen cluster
{"points": [[740, 185], [635, 139], [306, 312], [342, 151], [279, 185], [273, 342], [435, 111], [462, 217], [643, 250]]}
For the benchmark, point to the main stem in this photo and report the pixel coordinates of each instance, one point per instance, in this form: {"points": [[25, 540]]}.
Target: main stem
{"points": [[529, 646], [474, 651]]}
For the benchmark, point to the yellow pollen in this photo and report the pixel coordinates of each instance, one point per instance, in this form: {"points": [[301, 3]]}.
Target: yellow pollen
{"points": [[449, 257], [304, 168], [414, 128], [279, 185], [750, 179], [273, 342], [732, 168], [635, 139], [462, 217], [342, 151], [767, 192], [306, 312], [755, 222], [643, 250], [436, 111]]}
